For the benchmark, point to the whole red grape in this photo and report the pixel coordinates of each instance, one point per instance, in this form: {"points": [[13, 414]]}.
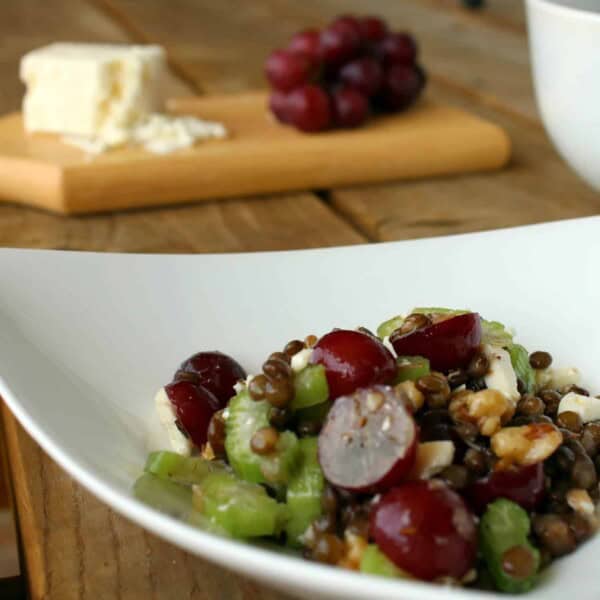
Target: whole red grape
{"points": [[308, 43], [309, 108], [287, 70], [339, 43], [364, 74], [373, 29], [397, 49], [350, 107]]}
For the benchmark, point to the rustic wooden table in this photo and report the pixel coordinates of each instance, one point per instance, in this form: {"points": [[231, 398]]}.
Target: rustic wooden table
{"points": [[476, 59]]}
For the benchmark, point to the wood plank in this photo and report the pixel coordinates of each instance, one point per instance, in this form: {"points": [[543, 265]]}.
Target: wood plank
{"points": [[507, 14], [223, 47], [537, 186]]}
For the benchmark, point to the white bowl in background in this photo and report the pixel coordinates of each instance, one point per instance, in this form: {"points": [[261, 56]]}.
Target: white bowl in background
{"points": [[86, 340], [564, 37]]}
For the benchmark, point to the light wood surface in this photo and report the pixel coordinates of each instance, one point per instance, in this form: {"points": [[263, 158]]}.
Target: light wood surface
{"points": [[259, 156], [478, 60]]}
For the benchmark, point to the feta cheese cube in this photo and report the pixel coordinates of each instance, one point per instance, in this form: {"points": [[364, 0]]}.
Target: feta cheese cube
{"points": [[587, 407], [501, 375], [167, 417]]}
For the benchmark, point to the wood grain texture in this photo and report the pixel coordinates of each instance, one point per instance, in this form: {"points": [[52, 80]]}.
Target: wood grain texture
{"points": [[260, 156], [223, 44]]}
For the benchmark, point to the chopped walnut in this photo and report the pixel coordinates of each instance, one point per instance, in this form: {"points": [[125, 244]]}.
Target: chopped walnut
{"points": [[488, 409], [432, 457], [355, 548], [580, 501], [526, 445], [413, 394]]}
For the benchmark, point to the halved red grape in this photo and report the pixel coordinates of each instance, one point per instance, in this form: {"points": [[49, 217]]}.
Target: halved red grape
{"points": [[350, 107], [353, 359], [308, 43], [397, 49], [364, 74], [216, 372], [368, 442], [448, 344], [523, 485], [402, 85], [426, 530], [373, 29], [309, 108], [287, 70], [339, 43], [194, 406]]}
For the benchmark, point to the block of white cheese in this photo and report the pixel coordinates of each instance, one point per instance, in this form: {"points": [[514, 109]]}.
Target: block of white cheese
{"points": [[168, 419], [587, 407], [501, 376], [91, 90]]}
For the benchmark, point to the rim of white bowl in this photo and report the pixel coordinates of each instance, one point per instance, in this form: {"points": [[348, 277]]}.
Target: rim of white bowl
{"points": [[570, 11]]}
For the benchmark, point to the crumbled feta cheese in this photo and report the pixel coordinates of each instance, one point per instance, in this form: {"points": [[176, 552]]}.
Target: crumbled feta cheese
{"points": [[432, 457], [167, 417], [501, 376], [300, 359], [587, 407], [557, 378]]}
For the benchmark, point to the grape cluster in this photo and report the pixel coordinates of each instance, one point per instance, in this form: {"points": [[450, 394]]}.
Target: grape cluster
{"points": [[339, 76]]}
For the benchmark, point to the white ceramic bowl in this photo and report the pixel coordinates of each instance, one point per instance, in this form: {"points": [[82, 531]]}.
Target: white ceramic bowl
{"points": [[564, 37], [101, 332]]}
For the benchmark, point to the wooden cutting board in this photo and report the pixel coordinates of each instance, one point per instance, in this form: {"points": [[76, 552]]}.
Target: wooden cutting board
{"points": [[260, 156]]}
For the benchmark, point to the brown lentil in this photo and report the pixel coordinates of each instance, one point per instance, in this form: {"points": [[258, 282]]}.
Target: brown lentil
{"points": [[278, 392], [580, 526], [554, 534], [575, 389], [414, 322], [275, 368], [456, 476], [570, 420], [476, 385], [293, 347], [431, 384], [457, 378], [466, 431], [530, 405], [529, 419], [256, 387], [478, 366], [279, 417], [518, 562], [328, 549], [540, 360], [186, 376], [590, 438], [583, 473], [216, 435], [308, 428], [310, 340], [521, 386], [475, 461], [264, 440], [551, 399], [564, 458], [597, 463]]}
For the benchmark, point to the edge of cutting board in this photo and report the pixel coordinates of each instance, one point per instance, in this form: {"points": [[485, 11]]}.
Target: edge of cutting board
{"points": [[260, 157]]}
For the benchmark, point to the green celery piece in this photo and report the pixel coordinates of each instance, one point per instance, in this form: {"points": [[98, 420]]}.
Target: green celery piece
{"points": [[410, 368], [180, 469], [519, 357], [310, 387], [495, 334], [387, 327], [375, 562], [201, 521], [241, 508], [245, 418], [304, 491], [163, 495], [505, 525]]}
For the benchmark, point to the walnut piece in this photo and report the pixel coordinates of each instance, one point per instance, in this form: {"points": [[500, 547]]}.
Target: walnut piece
{"points": [[526, 445], [487, 409]]}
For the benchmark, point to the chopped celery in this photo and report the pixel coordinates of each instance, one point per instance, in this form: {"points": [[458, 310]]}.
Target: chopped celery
{"points": [[166, 496], [389, 326], [519, 357], [245, 418], [304, 491], [310, 387], [180, 469], [505, 525], [495, 334], [241, 508], [410, 368], [375, 562]]}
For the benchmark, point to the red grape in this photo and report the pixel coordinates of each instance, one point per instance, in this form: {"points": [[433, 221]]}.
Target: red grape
{"points": [[364, 74], [448, 344], [194, 406], [339, 44], [397, 49], [216, 372], [309, 108], [278, 103], [524, 485], [425, 529], [287, 70], [373, 29], [308, 43], [352, 360], [401, 87], [347, 22], [350, 107], [368, 442]]}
